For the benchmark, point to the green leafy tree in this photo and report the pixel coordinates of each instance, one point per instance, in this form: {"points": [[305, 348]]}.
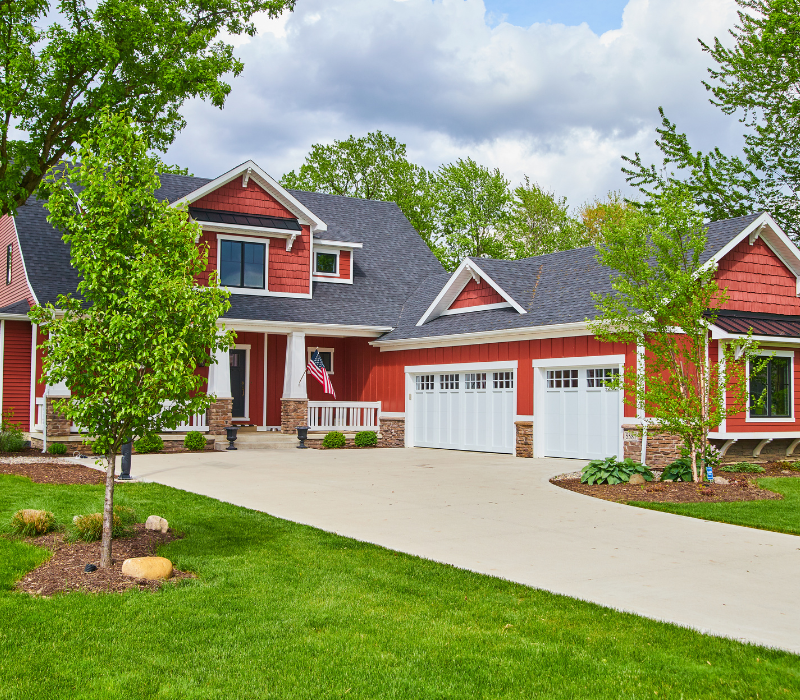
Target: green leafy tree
{"points": [[129, 345], [664, 299], [472, 212], [595, 215], [758, 79], [371, 167], [142, 58], [538, 222]]}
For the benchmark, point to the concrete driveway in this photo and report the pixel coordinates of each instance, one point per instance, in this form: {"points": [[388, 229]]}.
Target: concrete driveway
{"points": [[498, 515]]}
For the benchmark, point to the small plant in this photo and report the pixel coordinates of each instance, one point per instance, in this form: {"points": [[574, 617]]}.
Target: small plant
{"points": [[679, 470], [334, 440], [149, 443], [745, 467], [89, 528], [30, 523], [366, 438], [11, 439], [57, 448], [612, 471], [194, 441]]}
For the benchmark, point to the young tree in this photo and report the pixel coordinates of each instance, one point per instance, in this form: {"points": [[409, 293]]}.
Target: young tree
{"points": [[472, 211], [128, 346], [759, 80], [142, 58], [664, 299], [596, 215], [371, 167], [539, 222]]}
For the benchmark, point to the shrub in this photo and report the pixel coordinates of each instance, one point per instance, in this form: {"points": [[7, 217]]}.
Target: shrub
{"points": [[30, 523], [89, 528], [194, 441], [366, 438], [334, 440], [57, 448], [611, 471], [149, 443], [11, 439], [743, 467], [679, 470]]}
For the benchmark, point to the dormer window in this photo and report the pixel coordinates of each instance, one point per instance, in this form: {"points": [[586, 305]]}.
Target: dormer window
{"points": [[242, 264], [326, 263]]}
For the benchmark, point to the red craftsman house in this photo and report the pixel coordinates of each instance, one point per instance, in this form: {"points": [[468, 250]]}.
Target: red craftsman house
{"points": [[494, 357]]}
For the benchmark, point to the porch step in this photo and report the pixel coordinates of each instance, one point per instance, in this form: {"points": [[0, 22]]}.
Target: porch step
{"points": [[259, 441]]}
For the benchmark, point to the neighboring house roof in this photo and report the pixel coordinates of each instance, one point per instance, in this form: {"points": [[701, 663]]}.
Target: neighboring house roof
{"points": [[740, 323], [553, 289], [393, 261]]}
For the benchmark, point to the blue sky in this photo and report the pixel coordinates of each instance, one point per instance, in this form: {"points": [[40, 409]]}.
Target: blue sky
{"points": [[557, 101], [600, 15]]}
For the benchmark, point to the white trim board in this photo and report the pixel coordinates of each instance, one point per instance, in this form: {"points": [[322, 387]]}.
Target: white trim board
{"points": [[462, 367], [588, 361], [482, 307], [284, 328]]}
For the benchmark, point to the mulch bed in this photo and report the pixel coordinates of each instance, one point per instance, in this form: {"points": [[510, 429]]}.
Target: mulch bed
{"points": [[64, 571], [742, 487], [49, 472]]}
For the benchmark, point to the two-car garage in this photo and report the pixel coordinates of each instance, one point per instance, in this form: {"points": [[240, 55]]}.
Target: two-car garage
{"points": [[474, 408]]}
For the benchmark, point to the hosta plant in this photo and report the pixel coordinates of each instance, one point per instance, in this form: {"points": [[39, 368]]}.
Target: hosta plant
{"points": [[679, 470], [612, 471], [740, 467]]}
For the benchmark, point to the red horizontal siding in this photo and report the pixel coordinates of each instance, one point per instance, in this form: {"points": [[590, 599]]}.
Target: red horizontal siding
{"points": [[17, 372], [18, 289], [247, 200], [757, 280], [475, 294]]}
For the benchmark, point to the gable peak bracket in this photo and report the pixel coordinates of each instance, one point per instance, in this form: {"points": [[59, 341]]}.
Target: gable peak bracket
{"points": [[290, 241], [246, 177], [474, 274], [755, 234]]}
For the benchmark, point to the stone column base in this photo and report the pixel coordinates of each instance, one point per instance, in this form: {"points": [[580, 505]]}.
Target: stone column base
{"points": [[294, 412], [524, 447], [219, 415], [662, 448], [393, 432], [57, 425]]}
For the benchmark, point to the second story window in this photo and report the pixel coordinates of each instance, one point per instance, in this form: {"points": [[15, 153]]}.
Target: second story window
{"points": [[242, 264], [9, 252], [326, 264]]}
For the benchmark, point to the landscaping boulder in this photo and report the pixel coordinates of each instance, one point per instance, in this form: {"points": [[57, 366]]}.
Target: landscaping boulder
{"points": [[156, 522], [148, 567], [636, 480], [721, 480]]}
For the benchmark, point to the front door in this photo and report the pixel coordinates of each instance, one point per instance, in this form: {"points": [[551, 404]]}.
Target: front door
{"points": [[238, 360]]}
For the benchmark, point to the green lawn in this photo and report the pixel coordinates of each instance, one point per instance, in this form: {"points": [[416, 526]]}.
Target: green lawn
{"points": [[286, 611], [780, 516]]}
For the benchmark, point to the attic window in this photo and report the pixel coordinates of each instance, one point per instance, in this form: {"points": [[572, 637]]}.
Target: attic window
{"points": [[9, 251], [326, 264]]}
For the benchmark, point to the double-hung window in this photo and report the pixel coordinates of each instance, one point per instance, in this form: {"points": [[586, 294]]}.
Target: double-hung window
{"points": [[773, 382], [242, 264]]}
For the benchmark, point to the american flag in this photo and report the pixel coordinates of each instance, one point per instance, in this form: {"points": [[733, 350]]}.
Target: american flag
{"points": [[316, 368]]}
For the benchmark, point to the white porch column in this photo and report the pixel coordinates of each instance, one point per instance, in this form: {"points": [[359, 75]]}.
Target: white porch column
{"points": [[219, 376], [294, 380]]}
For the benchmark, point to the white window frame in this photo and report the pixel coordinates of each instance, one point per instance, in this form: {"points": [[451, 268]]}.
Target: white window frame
{"points": [[244, 239], [326, 251], [769, 419], [246, 347], [321, 350]]}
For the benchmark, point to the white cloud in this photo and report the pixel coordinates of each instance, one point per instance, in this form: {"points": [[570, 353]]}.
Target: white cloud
{"points": [[558, 103]]}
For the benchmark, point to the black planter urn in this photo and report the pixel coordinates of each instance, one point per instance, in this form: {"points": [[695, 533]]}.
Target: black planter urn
{"points": [[302, 436], [231, 431]]}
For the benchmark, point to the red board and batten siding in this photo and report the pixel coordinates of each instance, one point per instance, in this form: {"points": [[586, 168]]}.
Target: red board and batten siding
{"points": [[757, 280], [18, 290], [17, 372], [380, 376], [256, 370], [475, 294]]}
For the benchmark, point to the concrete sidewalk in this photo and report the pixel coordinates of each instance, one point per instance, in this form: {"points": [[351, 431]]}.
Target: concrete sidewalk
{"points": [[499, 515]]}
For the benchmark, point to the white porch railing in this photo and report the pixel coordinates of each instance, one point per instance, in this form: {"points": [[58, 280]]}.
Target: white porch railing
{"points": [[40, 415], [195, 422], [344, 415]]}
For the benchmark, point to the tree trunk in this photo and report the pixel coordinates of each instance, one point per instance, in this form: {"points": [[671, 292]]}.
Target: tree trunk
{"points": [[108, 512], [695, 476]]}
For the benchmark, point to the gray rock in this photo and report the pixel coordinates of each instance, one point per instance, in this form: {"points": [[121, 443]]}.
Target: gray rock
{"points": [[721, 480], [636, 480], [156, 522]]}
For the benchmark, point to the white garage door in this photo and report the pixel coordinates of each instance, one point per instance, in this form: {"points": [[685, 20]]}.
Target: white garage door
{"points": [[582, 416], [465, 411]]}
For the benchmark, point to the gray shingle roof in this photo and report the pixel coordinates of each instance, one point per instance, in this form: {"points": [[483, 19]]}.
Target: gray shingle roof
{"points": [[386, 271], [18, 307], [553, 289]]}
